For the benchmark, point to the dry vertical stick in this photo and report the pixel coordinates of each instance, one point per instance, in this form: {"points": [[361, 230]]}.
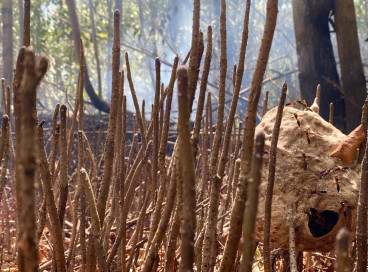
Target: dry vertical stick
{"points": [[114, 193], [318, 97], [188, 221], [271, 180], [135, 101], [3, 94], [96, 228], [175, 226], [119, 157], [80, 193], [56, 231], [361, 231], [4, 156], [82, 199], [215, 148], [74, 207], [8, 103], [342, 251], [19, 70], [330, 118], [202, 91], [162, 154], [33, 74], [4, 133], [248, 136], [98, 143], [194, 60], [209, 112], [144, 113], [292, 252], [93, 166], [109, 146], [250, 211], [155, 118], [55, 139], [204, 160], [122, 176], [265, 102], [162, 111], [63, 185], [231, 186], [364, 123], [7, 225]]}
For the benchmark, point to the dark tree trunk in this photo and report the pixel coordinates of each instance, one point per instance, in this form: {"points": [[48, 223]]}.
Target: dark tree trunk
{"points": [[95, 99], [315, 57], [7, 14], [21, 21], [352, 75]]}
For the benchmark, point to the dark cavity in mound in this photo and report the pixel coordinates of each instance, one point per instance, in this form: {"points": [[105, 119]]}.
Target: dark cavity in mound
{"points": [[321, 223]]}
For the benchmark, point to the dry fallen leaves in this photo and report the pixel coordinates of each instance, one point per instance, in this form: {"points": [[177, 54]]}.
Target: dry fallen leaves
{"points": [[347, 147]]}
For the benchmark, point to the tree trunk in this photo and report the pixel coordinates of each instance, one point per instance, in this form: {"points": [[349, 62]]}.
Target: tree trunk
{"points": [[21, 21], [95, 47], [7, 13], [316, 61], [352, 75], [95, 99]]}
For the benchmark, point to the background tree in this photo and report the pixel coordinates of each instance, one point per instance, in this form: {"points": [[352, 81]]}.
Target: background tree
{"points": [[316, 61], [313, 22], [7, 42]]}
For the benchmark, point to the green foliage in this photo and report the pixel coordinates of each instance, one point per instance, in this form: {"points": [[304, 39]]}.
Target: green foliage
{"points": [[162, 28]]}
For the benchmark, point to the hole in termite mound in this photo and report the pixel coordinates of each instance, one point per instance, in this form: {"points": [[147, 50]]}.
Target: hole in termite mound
{"points": [[321, 223]]}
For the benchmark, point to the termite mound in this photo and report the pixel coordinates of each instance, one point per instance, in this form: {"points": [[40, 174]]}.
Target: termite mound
{"points": [[323, 203]]}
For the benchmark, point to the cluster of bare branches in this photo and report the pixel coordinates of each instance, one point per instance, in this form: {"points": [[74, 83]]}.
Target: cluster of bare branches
{"points": [[134, 206]]}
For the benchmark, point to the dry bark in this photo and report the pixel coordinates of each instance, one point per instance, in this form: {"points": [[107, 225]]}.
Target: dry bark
{"points": [[19, 70], [33, 73], [250, 211], [215, 148], [109, 145], [135, 101], [265, 102], [55, 139], [63, 185], [4, 155], [271, 180], [186, 161], [195, 55]]}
